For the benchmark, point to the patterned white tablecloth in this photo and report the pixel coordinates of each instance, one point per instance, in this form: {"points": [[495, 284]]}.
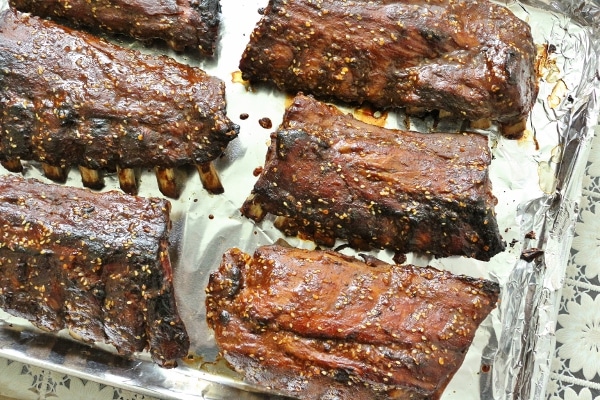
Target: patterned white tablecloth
{"points": [[27, 382], [576, 364]]}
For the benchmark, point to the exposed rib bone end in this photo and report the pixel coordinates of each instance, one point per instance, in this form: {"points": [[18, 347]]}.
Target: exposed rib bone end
{"points": [[445, 114], [128, 180], [210, 178], [253, 209], [91, 178], [168, 184], [286, 225], [13, 165], [416, 111], [483, 123], [514, 131], [57, 174]]}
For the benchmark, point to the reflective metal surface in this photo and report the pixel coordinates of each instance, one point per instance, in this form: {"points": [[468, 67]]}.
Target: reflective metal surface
{"points": [[537, 180]]}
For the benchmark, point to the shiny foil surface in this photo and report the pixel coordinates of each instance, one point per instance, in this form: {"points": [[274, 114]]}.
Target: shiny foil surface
{"points": [[537, 180]]}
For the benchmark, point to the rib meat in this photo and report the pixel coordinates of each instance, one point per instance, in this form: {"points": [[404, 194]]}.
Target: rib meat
{"points": [[68, 98], [95, 263], [473, 59], [318, 324], [183, 24], [331, 176]]}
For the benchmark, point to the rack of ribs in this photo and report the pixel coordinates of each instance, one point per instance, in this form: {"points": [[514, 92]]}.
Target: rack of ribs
{"points": [[69, 99], [319, 324], [472, 59], [96, 264], [328, 175], [186, 24]]}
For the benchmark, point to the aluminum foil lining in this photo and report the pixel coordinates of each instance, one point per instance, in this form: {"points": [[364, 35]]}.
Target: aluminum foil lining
{"points": [[537, 180]]}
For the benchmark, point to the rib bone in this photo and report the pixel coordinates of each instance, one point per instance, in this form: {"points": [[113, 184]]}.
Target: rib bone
{"points": [[57, 174], [210, 178], [514, 131], [13, 165], [168, 182], [128, 180], [154, 112]]}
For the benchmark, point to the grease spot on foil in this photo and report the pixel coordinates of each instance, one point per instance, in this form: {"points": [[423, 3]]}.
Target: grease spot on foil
{"points": [[371, 116], [547, 171], [546, 65], [236, 77], [219, 367], [528, 139], [559, 92]]}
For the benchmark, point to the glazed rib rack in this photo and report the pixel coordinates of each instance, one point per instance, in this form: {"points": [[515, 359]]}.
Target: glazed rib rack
{"points": [[472, 59], [329, 176], [182, 25], [96, 264], [70, 99], [318, 324]]}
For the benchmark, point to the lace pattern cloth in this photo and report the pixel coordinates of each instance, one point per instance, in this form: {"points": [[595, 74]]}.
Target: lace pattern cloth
{"points": [[576, 363]]}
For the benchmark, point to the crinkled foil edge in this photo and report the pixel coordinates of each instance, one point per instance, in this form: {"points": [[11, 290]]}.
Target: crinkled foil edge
{"points": [[519, 350], [521, 358]]}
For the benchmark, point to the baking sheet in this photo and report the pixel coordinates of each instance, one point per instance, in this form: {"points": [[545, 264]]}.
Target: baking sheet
{"points": [[536, 179]]}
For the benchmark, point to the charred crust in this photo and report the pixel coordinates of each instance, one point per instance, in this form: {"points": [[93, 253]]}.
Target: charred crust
{"points": [[335, 177], [165, 117], [94, 263]]}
